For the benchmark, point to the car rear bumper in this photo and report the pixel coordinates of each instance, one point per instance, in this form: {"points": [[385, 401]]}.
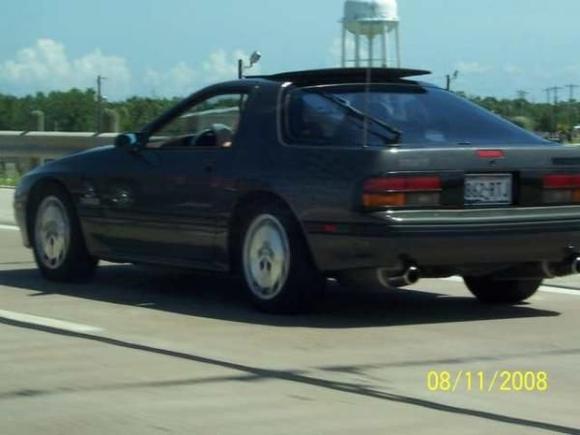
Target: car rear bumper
{"points": [[448, 239]]}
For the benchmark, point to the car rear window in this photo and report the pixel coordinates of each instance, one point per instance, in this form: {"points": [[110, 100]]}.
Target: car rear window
{"points": [[384, 115]]}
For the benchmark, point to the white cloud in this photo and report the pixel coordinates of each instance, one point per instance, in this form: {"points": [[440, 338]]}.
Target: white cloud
{"points": [[46, 66], [179, 81], [183, 79], [472, 68], [222, 65], [572, 69], [513, 70]]}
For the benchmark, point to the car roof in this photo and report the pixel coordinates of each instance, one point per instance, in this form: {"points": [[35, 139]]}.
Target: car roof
{"points": [[344, 75]]}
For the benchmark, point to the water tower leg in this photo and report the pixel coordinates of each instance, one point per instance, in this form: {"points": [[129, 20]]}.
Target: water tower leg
{"points": [[397, 37], [384, 49], [357, 50], [343, 64]]}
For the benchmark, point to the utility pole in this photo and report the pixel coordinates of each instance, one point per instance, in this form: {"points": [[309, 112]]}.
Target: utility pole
{"points": [[450, 78], [556, 89], [553, 116], [100, 101], [240, 68], [571, 110], [254, 59], [522, 99], [572, 88], [548, 92], [522, 95]]}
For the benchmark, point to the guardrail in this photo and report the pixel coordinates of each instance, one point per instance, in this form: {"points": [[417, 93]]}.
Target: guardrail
{"points": [[48, 145], [21, 151]]}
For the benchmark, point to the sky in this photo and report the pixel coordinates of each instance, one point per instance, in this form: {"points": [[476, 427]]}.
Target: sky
{"points": [[158, 48]]}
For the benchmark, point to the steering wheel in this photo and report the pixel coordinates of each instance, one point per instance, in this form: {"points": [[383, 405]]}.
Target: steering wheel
{"points": [[207, 138], [218, 135]]}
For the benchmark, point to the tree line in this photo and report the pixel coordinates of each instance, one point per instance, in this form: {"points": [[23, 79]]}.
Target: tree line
{"points": [[76, 110], [542, 117]]}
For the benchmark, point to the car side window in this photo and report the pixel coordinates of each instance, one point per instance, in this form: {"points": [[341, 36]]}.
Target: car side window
{"points": [[212, 123]]}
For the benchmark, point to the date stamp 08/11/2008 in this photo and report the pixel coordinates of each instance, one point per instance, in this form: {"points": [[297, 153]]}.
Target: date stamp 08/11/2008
{"points": [[508, 381]]}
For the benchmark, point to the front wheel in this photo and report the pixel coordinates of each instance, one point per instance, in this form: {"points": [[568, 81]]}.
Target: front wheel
{"points": [[58, 243], [278, 272], [491, 290]]}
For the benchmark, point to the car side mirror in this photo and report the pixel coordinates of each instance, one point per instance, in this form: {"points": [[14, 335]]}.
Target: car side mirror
{"points": [[129, 141]]}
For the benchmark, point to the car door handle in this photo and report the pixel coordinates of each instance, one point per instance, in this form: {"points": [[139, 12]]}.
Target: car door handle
{"points": [[208, 167]]}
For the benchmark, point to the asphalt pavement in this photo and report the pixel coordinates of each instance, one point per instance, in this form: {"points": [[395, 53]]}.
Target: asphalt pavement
{"points": [[140, 351]]}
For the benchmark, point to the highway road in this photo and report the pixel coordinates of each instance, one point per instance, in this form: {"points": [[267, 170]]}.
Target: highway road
{"points": [[142, 351]]}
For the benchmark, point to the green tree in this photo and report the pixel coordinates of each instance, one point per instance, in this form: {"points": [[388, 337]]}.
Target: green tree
{"points": [[76, 110]]}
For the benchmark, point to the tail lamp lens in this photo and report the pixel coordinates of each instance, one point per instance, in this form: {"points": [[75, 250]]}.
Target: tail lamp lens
{"points": [[490, 154], [562, 189], [402, 192]]}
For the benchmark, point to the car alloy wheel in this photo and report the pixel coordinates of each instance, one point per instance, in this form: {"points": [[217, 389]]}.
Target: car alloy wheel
{"points": [[266, 257], [52, 232]]}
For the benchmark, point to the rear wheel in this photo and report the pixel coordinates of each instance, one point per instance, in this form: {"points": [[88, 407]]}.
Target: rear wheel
{"points": [[278, 273], [491, 290], [58, 243]]}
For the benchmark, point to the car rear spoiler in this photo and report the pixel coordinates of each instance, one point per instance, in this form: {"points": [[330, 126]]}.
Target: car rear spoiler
{"points": [[345, 75]]}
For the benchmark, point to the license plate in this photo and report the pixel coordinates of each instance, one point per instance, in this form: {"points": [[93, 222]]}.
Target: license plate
{"points": [[488, 189]]}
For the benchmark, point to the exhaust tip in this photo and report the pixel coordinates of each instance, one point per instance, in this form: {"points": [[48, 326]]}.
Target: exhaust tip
{"points": [[410, 276]]}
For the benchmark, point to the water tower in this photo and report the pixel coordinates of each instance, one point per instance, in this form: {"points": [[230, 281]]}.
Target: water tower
{"points": [[365, 21]]}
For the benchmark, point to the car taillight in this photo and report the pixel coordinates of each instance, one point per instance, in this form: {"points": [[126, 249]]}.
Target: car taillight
{"points": [[402, 192], [562, 189], [490, 154]]}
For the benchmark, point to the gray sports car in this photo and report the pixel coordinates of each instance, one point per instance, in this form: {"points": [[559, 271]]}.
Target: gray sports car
{"points": [[364, 175]]}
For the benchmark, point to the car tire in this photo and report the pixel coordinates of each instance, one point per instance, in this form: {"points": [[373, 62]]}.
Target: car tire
{"points": [[277, 270], [58, 242], [491, 290]]}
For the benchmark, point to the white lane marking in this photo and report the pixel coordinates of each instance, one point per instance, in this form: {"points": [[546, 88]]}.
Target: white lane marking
{"points": [[9, 227], [547, 288], [560, 291], [45, 321]]}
